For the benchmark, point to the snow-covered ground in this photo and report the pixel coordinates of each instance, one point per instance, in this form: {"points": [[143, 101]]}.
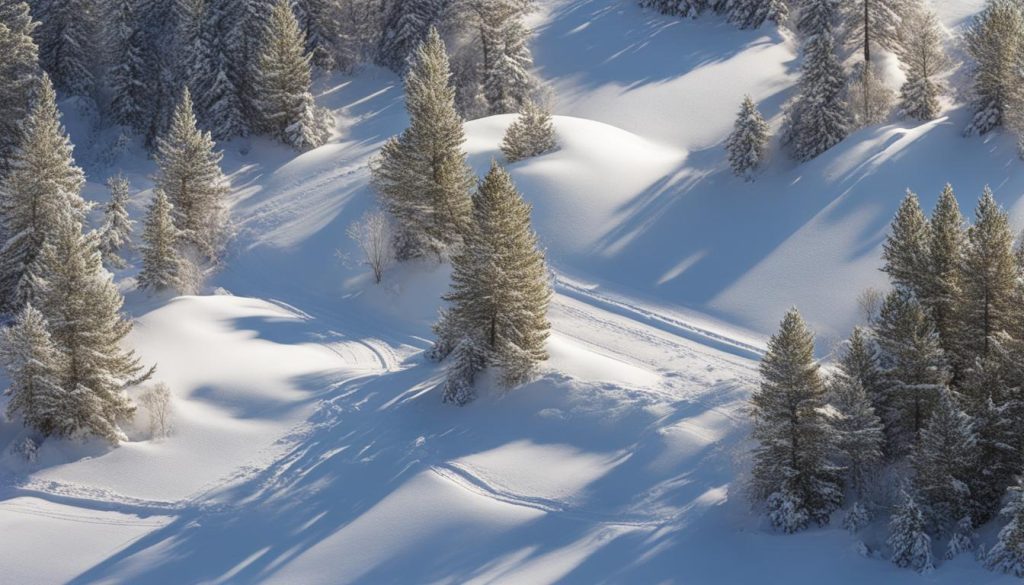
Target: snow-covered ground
{"points": [[310, 444]]}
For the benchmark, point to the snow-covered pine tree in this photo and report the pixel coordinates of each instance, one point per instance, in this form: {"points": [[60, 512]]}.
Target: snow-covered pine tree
{"points": [[816, 17], [905, 251], [871, 23], [914, 368], [943, 462], [405, 28], [856, 518], [858, 361], [467, 359], [1007, 555], [962, 539], [870, 101], [19, 70], [531, 134], [507, 80], [40, 192], [500, 290], [859, 431], [83, 307], [791, 468], [162, 262], [132, 55], [421, 176], [754, 13], [910, 544], [923, 60], [189, 173], [33, 365], [116, 232], [946, 244], [748, 141], [68, 35], [989, 274], [995, 41], [286, 106], [319, 22], [818, 119]]}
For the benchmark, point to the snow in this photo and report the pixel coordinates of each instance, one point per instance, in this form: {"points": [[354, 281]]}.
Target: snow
{"points": [[310, 444]]}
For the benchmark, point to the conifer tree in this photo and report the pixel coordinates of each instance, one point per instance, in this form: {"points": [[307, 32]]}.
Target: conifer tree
{"points": [[318, 20], [858, 430], [40, 192], [923, 60], [531, 134], [747, 143], [499, 293], [994, 42], [791, 469], [83, 307], [914, 368], [129, 75], [946, 244], [818, 119], [189, 173], [754, 13], [817, 17], [162, 263], [116, 232], [421, 176], [19, 70], [406, 27], [871, 23], [68, 35], [910, 544], [943, 462], [507, 79], [1007, 555], [33, 365], [905, 251], [859, 362], [282, 84]]}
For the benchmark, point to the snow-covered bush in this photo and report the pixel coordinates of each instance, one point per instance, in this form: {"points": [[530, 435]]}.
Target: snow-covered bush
{"points": [[157, 402]]}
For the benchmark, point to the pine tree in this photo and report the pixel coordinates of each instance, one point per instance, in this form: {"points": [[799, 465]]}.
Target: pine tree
{"points": [[83, 307], [468, 358], [282, 82], [859, 431], [321, 28], [33, 366], [994, 41], [421, 176], [68, 35], [943, 461], [962, 539], [859, 362], [818, 119], [189, 173], [905, 251], [116, 232], [989, 274], [791, 468], [1007, 555], [914, 368], [747, 143], [923, 60], [872, 22], [946, 244], [869, 99], [40, 192], [500, 293], [507, 79], [754, 13], [19, 70], [161, 259], [817, 17], [405, 28], [531, 134], [130, 76], [911, 546]]}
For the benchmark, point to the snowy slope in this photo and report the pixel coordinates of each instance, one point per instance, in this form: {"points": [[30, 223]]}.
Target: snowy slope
{"points": [[310, 443]]}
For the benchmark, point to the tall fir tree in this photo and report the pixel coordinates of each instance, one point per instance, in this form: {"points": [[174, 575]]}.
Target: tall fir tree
{"points": [[34, 364], [872, 23], [422, 178], [507, 78], [319, 21], [162, 262], [859, 431], [859, 362], [500, 291], [69, 32], [817, 17], [905, 251], [943, 294], [282, 83], [19, 70], [130, 76], [818, 118], [405, 28], [792, 472], [994, 42], [924, 61], [943, 463], [116, 232], [748, 141], [189, 173], [39, 194]]}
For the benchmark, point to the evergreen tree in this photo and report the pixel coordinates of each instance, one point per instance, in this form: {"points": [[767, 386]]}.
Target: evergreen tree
{"points": [[499, 293], [19, 70], [872, 23], [818, 119], [162, 263], [1007, 555], [318, 20], [68, 35], [859, 362], [40, 192], [817, 17], [858, 430], [282, 83], [116, 232], [83, 306], [908, 539], [189, 173], [129, 76], [923, 60], [507, 80], [791, 468], [532, 133], [994, 41], [943, 461], [905, 251], [33, 366], [421, 176], [963, 538], [946, 244], [748, 141], [914, 368], [754, 13], [406, 27], [468, 358]]}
